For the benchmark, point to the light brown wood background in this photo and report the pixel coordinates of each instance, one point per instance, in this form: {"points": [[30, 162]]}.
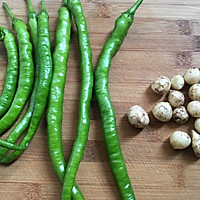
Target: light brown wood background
{"points": [[164, 40]]}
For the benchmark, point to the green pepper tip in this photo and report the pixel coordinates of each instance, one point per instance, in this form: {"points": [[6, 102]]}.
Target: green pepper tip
{"points": [[30, 7], [43, 5], [5, 5], [132, 10], [65, 3]]}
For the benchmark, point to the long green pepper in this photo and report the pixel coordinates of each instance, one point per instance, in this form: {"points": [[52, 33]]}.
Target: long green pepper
{"points": [[85, 98], [25, 121], [107, 113], [45, 74], [10, 83], [55, 99], [26, 73]]}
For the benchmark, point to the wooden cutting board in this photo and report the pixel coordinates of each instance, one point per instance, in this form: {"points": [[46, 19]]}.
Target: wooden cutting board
{"points": [[164, 40]]}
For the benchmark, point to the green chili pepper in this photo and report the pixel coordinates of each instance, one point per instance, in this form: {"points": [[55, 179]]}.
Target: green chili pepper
{"points": [[32, 20], [9, 145], [113, 149], [85, 97], [10, 84], [26, 73], [25, 121], [45, 73], [55, 99]]}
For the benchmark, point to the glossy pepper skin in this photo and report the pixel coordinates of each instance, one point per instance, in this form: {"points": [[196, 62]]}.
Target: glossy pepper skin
{"points": [[45, 74], [107, 113], [9, 145], [26, 73], [85, 97], [55, 99], [25, 121], [10, 83]]}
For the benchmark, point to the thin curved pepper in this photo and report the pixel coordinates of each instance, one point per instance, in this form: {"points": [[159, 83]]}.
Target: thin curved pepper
{"points": [[9, 145], [85, 97], [32, 20], [25, 121], [45, 74], [55, 99], [107, 113], [10, 83], [26, 73]]}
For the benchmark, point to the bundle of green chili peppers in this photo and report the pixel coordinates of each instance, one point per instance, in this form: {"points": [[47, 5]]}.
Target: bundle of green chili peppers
{"points": [[42, 78]]}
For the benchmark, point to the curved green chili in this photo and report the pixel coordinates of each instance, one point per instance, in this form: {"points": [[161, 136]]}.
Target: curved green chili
{"points": [[25, 121], [10, 83], [85, 97], [111, 139], [45, 73], [55, 99], [26, 73], [9, 145]]}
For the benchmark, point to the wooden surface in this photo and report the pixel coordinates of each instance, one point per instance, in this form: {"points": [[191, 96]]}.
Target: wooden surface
{"points": [[164, 40]]}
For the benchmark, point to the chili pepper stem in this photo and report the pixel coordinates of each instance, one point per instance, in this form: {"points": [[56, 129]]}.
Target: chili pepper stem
{"points": [[8, 11], [43, 5], [131, 11], [65, 3], [30, 7]]}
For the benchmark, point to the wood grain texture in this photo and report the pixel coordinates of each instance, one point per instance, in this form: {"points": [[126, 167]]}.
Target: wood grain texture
{"points": [[164, 40]]}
